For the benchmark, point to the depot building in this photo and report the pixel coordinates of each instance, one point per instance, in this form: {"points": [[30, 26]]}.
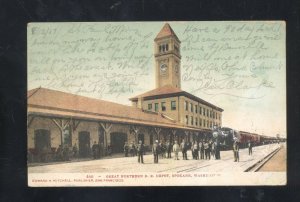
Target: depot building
{"points": [[164, 113]]}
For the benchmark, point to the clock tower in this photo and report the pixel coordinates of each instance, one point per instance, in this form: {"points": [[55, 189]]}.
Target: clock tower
{"points": [[167, 58]]}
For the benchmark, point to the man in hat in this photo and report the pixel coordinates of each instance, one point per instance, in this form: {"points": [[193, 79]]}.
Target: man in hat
{"points": [[183, 147], [176, 149], [155, 151], [140, 151], [236, 150], [126, 148], [250, 147]]}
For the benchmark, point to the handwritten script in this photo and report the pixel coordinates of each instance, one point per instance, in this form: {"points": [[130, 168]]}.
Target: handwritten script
{"points": [[117, 59], [240, 59]]}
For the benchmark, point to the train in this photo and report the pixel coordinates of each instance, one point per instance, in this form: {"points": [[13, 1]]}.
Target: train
{"points": [[225, 137]]}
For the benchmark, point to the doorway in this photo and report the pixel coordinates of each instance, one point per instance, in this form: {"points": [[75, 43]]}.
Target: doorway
{"points": [[84, 144], [117, 141]]}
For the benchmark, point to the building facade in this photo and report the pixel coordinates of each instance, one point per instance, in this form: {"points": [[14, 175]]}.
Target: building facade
{"points": [[167, 97]]}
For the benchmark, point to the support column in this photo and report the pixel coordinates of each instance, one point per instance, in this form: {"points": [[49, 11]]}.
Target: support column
{"points": [[61, 125], [30, 120], [74, 125], [157, 131], [107, 128]]}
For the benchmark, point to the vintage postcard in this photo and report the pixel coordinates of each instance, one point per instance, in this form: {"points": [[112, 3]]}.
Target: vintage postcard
{"points": [[156, 103]]}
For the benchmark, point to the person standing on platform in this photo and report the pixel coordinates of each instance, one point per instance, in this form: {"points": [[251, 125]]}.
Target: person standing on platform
{"points": [[201, 148], [140, 151], [206, 150], [195, 150], [132, 148], [250, 147], [126, 149], [176, 149], [162, 147], [217, 151], [213, 149], [183, 147], [236, 151], [94, 150], [155, 151], [169, 149], [75, 150]]}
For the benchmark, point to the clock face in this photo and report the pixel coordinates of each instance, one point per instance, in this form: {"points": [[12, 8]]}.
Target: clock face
{"points": [[163, 67]]}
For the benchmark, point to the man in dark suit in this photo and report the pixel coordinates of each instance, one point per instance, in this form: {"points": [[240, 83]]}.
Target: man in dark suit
{"points": [[155, 151], [140, 151]]}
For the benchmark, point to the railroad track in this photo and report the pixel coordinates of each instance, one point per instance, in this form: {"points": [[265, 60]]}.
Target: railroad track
{"points": [[262, 162]]}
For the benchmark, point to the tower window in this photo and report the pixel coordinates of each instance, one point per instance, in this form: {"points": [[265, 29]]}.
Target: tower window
{"points": [[163, 48], [163, 106], [173, 105], [156, 107]]}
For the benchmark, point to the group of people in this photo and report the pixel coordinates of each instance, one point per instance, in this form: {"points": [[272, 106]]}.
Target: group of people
{"points": [[206, 148], [164, 150], [236, 148], [130, 149]]}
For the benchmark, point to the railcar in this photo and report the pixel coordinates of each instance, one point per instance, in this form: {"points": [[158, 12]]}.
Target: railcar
{"points": [[227, 136]]}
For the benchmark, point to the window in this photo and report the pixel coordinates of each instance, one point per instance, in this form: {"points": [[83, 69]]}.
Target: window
{"points": [[204, 111], [186, 105], [196, 109], [200, 122], [150, 107], [192, 120], [196, 121], [163, 106], [216, 115], [186, 120], [207, 123], [173, 105], [192, 107], [204, 123], [200, 110], [156, 107], [210, 124], [163, 48]]}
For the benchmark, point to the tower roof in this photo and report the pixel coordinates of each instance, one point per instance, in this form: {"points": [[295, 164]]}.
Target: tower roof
{"points": [[166, 31]]}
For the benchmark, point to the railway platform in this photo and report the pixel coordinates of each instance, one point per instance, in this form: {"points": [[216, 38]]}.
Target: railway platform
{"points": [[130, 165]]}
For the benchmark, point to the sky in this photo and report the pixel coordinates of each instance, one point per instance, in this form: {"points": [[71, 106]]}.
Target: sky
{"points": [[238, 66]]}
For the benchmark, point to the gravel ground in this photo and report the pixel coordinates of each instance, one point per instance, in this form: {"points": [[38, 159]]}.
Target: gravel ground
{"points": [[277, 163]]}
